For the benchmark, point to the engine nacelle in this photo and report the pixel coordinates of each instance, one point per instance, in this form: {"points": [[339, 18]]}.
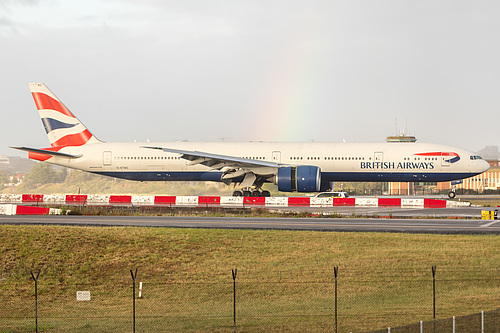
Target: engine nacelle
{"points": [[303, 178]]}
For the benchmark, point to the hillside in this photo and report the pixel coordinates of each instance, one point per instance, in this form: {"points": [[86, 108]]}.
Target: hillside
{"points": [[45, 179]]}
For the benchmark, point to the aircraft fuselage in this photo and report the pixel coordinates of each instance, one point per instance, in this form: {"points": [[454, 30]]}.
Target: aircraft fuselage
{"points": [[371, 162]]}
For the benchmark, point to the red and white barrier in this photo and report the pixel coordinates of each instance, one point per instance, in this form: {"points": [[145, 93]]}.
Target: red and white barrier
{"points": [[225, 201], [10, 209]]}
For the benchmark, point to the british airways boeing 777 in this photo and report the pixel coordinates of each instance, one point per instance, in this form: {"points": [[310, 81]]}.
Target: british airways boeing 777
{"points": [[301, 167]]}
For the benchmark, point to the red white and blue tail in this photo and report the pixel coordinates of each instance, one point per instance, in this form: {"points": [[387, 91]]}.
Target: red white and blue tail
{"points": [[62, 127]]}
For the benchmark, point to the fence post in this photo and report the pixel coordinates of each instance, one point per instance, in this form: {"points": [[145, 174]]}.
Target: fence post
{"points": [[36, 297], [134, 276], [482, 321], [234, 271], [434, 295], [336, 272]]}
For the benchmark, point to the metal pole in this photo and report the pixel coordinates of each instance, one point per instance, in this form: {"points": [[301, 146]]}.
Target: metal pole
{"points": [[434, 295], [134, 276], [36, 298], [336, 272], [482, 321], [234, 271]]}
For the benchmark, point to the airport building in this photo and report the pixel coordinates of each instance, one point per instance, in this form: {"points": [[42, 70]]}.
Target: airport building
{"points": [[15, 164], [4, 162]]}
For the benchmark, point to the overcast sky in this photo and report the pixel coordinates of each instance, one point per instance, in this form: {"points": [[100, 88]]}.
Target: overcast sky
{"points": [[254, 70]]}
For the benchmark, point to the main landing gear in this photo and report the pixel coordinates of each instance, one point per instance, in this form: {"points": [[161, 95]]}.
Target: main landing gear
{"points": [[452, 194], [248, 192]]}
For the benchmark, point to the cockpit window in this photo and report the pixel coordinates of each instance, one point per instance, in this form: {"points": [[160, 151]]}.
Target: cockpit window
{"points": [[475, 157]]}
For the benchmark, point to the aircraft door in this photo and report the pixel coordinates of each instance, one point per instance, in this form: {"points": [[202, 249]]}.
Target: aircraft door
{"points": [[276, 156], [106, 158], [379, 156]]}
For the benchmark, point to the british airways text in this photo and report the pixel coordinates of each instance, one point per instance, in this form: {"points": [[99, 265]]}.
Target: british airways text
{"points": [[398, 166]]}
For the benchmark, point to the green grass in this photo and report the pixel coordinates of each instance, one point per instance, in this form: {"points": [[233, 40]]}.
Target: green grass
{"points": [[493, 203], [284, 282]]}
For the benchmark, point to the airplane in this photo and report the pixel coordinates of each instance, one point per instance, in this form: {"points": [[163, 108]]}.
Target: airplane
{"points": [[292, 166]]}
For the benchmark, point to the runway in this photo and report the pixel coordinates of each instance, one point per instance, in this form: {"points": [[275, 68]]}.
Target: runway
{"points": [[407, 225]]}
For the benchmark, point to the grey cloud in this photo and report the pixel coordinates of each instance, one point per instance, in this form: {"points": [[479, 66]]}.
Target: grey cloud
{"points": [[8, 26], [9, 3]]}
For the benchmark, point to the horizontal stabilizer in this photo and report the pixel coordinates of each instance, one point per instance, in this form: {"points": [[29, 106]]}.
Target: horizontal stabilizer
{"points": [[46, 152]]}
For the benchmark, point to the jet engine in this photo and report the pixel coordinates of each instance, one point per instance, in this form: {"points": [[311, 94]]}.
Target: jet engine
{"points": [[303, 178]]}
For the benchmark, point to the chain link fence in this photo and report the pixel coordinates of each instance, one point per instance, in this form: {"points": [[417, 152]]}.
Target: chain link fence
{"points": [[253, 300], [486, 321]]}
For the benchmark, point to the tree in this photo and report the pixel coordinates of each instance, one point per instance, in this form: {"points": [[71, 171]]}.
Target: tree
{"points": [[44, 173], [4, 178]]}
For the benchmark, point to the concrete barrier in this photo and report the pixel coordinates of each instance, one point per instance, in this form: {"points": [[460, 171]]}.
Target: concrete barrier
{"points": [[224, 201], [11, 209]]}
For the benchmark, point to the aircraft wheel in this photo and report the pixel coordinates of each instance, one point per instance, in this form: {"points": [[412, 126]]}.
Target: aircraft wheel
{"points": [[452, 194], [266, 193], [256, 193], [247, 193], [237, 193]]}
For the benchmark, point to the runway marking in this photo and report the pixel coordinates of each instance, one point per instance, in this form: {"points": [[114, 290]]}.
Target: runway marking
{"points": [[314, 224], [489, 224], [318, 224]]}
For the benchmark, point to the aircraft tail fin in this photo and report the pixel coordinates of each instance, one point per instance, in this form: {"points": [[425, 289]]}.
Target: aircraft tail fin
{"points": [[62, 127]]}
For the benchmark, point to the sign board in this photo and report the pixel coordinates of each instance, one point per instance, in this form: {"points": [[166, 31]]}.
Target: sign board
{"points": [[83, 295], [487, 215]]}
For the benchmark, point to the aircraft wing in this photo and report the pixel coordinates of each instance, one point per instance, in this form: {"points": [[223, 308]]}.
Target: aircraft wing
{"points": [[216, 161], [233, 167]]}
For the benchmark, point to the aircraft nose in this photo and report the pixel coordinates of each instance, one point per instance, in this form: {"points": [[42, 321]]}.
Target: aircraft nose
{"points": [[485, 166]]}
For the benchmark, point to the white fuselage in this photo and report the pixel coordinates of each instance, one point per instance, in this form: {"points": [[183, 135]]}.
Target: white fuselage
{"points": [[338, 161]]}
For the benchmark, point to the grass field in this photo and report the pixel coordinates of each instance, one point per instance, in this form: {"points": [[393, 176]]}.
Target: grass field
{"points": [[485, 202], [285, 279]]}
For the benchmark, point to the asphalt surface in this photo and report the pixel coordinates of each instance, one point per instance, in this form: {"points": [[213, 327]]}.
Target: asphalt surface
{"points": [[410, 224]]}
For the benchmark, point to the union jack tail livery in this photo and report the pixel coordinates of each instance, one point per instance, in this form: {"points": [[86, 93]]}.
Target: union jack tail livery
{"points": [[62, 127]]}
